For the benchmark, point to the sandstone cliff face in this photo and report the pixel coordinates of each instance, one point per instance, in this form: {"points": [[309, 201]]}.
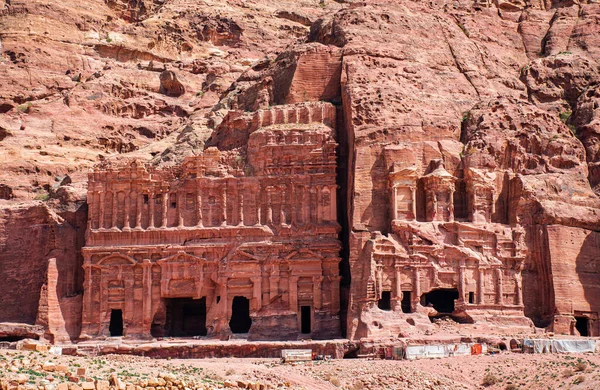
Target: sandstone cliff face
{"points": [[495, 102]]}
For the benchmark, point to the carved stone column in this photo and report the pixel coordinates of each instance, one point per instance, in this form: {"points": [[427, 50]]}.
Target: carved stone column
{"points": [[398, 275], [317, 292], [413, 194], [416, 288], [461, 282], [395, 201], [306, 205], [282, 218], [499, 292], [333, 203], [257, 292], [151, 202], [87, 312], [258, 205], [293, 293], [211, 206], [180, 208], [126, 223], [93, 207], [240, 204], [293, 204], [451, 206], [138, 211], [269, 205], [224, 203], [199, 208], [165, 208], [102, 205], [319, 205], [273, 283], [147, 296], [335, 293], [113, 224], [481, 286]]}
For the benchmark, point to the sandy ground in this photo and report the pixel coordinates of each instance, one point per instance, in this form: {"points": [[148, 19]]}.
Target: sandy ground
{"points": [[35, 370]]}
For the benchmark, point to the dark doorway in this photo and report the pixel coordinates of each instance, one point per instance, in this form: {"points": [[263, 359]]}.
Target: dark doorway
{"points": [[186, 317], [471, 297], [582, 325], [442, 299], [305, 313], [240, 315], [385, 303], [116, 323], [406, 302]]}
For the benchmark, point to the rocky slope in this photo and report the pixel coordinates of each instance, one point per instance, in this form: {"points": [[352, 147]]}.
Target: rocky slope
{"points": [[510, 87]]}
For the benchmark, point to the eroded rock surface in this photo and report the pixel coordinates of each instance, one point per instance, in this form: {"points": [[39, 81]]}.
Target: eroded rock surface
{"points": [[468, 153]]}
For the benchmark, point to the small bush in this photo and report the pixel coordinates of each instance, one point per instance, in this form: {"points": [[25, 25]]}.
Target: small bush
{"points": [[579, 380], [24, 107], [511, 386], [581, 366], [564, 116], [333, 380], [489, 380]]}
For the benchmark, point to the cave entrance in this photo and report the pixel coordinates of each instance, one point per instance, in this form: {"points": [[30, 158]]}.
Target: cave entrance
{"points": [[385, 303], [116, 323], [305, 325], [582, 324], [406, 302], [186, 317], [441, 299], [240, 315]]}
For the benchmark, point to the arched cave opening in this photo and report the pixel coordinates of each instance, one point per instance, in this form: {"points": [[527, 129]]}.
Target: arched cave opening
{"points": [[240, 315]]}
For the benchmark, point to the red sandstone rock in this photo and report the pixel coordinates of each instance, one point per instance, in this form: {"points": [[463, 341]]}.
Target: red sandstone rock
{"points": [[468, 153]]}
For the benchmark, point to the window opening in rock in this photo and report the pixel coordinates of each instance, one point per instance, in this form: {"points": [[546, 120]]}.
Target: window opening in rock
{"points": [[385, 303], [146, 199], [218, 298], [186, 317], [116, 323], [173, 205], [461, 208], [406, 302], [442, 299], [240, 315], [471, 297], [305, 325], [582, 325]]}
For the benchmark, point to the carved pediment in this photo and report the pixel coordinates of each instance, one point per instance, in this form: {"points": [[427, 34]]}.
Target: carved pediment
{"points": [[303, 254], [181, 258], [116, 259]]}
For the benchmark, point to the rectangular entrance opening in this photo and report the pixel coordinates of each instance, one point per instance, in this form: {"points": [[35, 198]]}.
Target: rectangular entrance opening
{"points": [[385, 303], [582, 325], [240, 315], [471, 297], [116, 323], [186, 317], [406, 302], [305, 313]]}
